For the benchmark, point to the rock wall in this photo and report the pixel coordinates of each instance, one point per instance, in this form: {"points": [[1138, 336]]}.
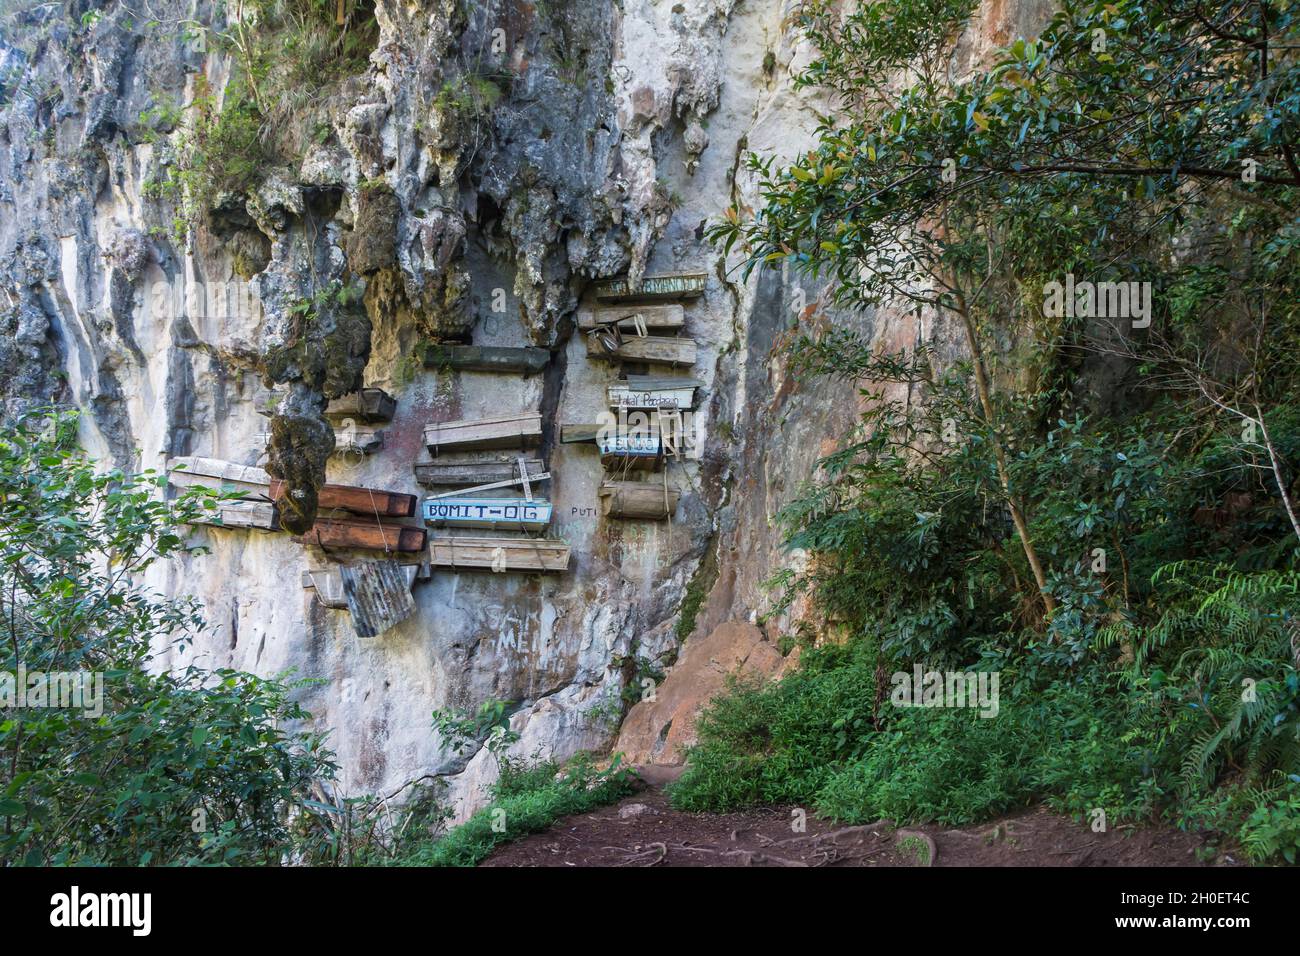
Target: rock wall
{"points": [[619, 135]]}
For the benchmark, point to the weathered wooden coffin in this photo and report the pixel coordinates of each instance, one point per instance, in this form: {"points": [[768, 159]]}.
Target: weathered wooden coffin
{"points": [[644, 391], [579, 432], [486, 358], [365, 534], [328, 583], [262, 515], [654, 318], [515, 431], [367, 405], [685, 285], [362, 501], [225, 476], [357, 441], [656, 349], [507, 514], [638, 499], [500, 554], [642, 449], [439, 472]]}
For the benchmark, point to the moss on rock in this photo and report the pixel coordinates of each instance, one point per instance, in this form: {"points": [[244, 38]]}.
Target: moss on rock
{"points": [[299, 447]]}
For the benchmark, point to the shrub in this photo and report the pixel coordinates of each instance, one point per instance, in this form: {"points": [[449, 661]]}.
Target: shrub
{"points": [[179, 768]]}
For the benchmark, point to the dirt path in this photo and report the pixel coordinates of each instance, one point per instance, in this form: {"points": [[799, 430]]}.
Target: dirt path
{"points": [[642, 830]]}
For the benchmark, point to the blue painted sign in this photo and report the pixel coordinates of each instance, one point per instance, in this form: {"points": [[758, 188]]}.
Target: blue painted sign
{"points": [[488, 512], [634, 444]]}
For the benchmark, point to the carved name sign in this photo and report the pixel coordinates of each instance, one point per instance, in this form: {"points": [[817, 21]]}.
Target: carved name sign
{"points": [[487, 512]]}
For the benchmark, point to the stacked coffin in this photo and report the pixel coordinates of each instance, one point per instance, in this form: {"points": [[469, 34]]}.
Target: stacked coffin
{"points": [[640, 324], [246, 499], [347, 516], [353, 417], [486, 465]]}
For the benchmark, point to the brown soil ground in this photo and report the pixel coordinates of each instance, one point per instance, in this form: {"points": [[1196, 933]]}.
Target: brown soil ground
{"points": [[642, 830]]}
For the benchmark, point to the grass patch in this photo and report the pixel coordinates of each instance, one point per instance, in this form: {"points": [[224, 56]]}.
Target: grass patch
{"points": [[524, 801]]}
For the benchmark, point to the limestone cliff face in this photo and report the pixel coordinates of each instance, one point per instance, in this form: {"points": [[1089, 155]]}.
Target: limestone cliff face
{"points": [[618, 135]]}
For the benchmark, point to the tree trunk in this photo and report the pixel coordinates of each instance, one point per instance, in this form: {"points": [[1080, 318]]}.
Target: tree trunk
{"points": [[999, 454]]}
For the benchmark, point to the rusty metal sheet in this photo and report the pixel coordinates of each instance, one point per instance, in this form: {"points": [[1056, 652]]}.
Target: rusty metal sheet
{"points": [[378, 594]]}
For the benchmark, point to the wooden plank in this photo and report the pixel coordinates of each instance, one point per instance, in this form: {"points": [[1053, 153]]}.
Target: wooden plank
{"points": [[262, 515], [657, 349], [525, 480], [500, 554], [378, 596], [682, 285], [638, 499], [644, 382], [503, 514], [368, 405], [191, 471], [486, 358], [439, 472], [365, 535], [513, 432], [655, 318], [362, 501]]}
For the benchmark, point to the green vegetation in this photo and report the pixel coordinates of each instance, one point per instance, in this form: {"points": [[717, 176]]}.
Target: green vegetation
{"points": [[290, 56], [181, 767], [526, 800], [1099, 507]]}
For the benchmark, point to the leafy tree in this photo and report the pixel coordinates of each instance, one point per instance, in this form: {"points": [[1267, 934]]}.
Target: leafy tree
{"points": [[1124, 133], [1143, 141], [191, 767]]}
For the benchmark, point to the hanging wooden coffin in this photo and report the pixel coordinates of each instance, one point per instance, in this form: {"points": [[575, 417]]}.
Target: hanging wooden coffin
{"points": [[261, 515], [500, 554], [686, 285], [580, 432], [367, 405], [514, 431], [440, 472], [362, 501], [357, 441], [366, 534], [644, 391], [638, 499], [652, 318], [503, 514], [656, 349], [486, 358], [224, 476]]}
